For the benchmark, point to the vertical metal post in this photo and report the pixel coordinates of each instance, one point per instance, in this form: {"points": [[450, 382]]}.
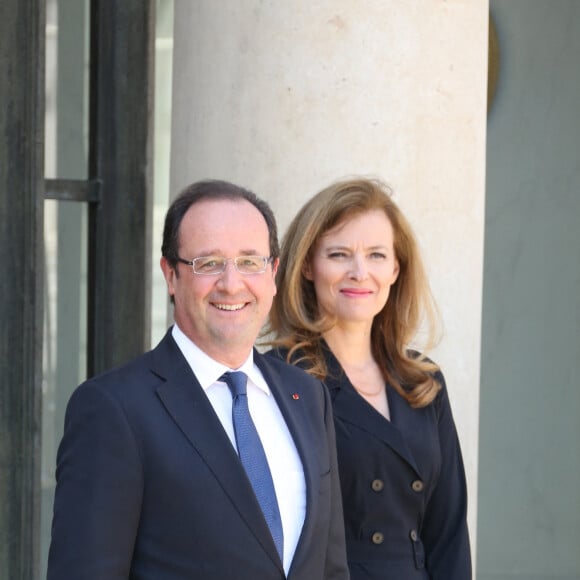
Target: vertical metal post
{"points": [[122, 49], [22, 41]]}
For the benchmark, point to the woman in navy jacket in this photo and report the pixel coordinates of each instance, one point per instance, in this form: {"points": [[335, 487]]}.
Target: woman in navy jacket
{"points": [[352, 295]]}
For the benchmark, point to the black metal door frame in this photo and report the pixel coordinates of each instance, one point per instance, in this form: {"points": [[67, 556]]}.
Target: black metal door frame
{"points": [[118, 190]]}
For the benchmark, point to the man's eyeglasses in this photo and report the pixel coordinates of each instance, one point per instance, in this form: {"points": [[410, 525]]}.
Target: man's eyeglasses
{"points": [[214, 265]]}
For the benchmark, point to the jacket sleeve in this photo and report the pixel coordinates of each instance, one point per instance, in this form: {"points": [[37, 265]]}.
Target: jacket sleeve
{"points": [[445, 534], [98, 491]]}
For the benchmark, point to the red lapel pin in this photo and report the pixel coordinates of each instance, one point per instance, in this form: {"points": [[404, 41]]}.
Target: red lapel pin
{"points": [[295, 396]]}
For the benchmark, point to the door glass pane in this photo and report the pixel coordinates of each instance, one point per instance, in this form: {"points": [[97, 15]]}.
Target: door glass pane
{"points": [[163, 82], [65, 233]]}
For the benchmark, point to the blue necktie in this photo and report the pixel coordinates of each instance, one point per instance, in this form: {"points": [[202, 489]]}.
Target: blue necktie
{"points": [[253, 456]]}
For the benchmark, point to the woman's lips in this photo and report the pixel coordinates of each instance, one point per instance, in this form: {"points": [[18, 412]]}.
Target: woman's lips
{"points": [[355, 292]]}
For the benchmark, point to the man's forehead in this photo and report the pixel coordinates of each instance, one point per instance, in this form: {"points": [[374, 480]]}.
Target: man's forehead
{"points": [[235, 221], [219, 205]]}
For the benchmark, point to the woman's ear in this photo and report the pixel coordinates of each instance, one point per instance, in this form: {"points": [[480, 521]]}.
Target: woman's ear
{"points": [[396, 271], [307, 270]]}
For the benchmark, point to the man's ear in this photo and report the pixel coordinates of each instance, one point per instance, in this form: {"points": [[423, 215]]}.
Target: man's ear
{"points": [[275, 265], [169, 274]]}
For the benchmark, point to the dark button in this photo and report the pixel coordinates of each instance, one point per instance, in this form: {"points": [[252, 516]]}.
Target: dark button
{"points": [[417, 485], [377, 538], [377, 485], [414, 536]]}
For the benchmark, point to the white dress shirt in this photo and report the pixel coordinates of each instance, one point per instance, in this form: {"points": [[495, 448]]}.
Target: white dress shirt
{"points": [[283, 458]]}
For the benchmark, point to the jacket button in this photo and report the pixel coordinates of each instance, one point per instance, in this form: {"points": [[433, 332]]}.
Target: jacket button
{"points": [[413, 535], [417, 485], [377, 485], [377, 538]]}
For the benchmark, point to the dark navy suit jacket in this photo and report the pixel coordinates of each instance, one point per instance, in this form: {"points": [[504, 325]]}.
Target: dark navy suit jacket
{"points": [[149, 487], [403, 486]]}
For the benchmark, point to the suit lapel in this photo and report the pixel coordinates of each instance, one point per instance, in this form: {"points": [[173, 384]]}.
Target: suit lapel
{"points": [[291, 410], [187, 404], [302, 435], [351, 408]]}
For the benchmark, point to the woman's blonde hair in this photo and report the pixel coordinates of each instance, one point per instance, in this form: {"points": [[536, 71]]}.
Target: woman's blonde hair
{"points": [[298, 325]]}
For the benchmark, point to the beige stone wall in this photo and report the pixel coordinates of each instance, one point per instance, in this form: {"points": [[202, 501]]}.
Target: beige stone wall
{"points": [[285, 97]]}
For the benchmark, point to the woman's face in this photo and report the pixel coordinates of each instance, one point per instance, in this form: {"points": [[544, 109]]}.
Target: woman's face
{"points": [[353, 267]]}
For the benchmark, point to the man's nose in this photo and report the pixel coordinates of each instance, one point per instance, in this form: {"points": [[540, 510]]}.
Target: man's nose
{"points": [[230, 279]]}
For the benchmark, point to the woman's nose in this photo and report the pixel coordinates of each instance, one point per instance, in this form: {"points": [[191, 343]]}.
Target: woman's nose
{"points": [[358, 270]]}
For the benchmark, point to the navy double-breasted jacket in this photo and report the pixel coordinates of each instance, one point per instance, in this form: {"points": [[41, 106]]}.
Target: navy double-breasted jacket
{"points": [[403, 485]]}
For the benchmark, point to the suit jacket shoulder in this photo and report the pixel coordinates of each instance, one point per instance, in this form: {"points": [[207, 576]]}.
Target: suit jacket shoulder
{"points": [[145, 460]]}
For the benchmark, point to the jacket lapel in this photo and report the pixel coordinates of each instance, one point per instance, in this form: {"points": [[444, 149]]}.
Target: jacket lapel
{"points": [[302, 435], [291, 411], [187, 404], [351, 408]]}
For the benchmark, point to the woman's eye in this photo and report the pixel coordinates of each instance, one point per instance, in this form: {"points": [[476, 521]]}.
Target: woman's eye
{"points": [[337, 255], [378, 256]]}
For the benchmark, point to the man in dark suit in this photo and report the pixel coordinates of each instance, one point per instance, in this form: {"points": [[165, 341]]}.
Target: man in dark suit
{"points": [[150, 485]]}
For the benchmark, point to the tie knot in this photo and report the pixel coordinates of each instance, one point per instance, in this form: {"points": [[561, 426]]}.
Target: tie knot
{"points": [[236, 381]]}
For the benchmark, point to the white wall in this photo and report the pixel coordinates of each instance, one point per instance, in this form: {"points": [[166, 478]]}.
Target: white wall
{"points": [[285, 97]]}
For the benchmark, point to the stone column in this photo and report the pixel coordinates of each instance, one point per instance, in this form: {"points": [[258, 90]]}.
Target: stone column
{"points": [[285, 97]]}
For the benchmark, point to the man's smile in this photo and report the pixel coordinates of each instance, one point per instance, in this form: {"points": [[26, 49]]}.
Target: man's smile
{"points": [[230, 307]]}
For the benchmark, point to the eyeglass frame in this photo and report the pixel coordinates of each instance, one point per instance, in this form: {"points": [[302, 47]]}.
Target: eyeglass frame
{"points": [[234, 260]]}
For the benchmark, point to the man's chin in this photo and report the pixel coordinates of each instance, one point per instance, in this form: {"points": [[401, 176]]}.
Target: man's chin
{"points": [[234, 336]]}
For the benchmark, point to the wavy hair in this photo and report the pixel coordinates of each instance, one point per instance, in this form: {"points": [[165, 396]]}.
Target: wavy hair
{"points": [[297, 324]]}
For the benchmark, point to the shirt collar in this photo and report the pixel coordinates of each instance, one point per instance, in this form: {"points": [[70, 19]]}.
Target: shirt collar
{"points": [[207, 370]]}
